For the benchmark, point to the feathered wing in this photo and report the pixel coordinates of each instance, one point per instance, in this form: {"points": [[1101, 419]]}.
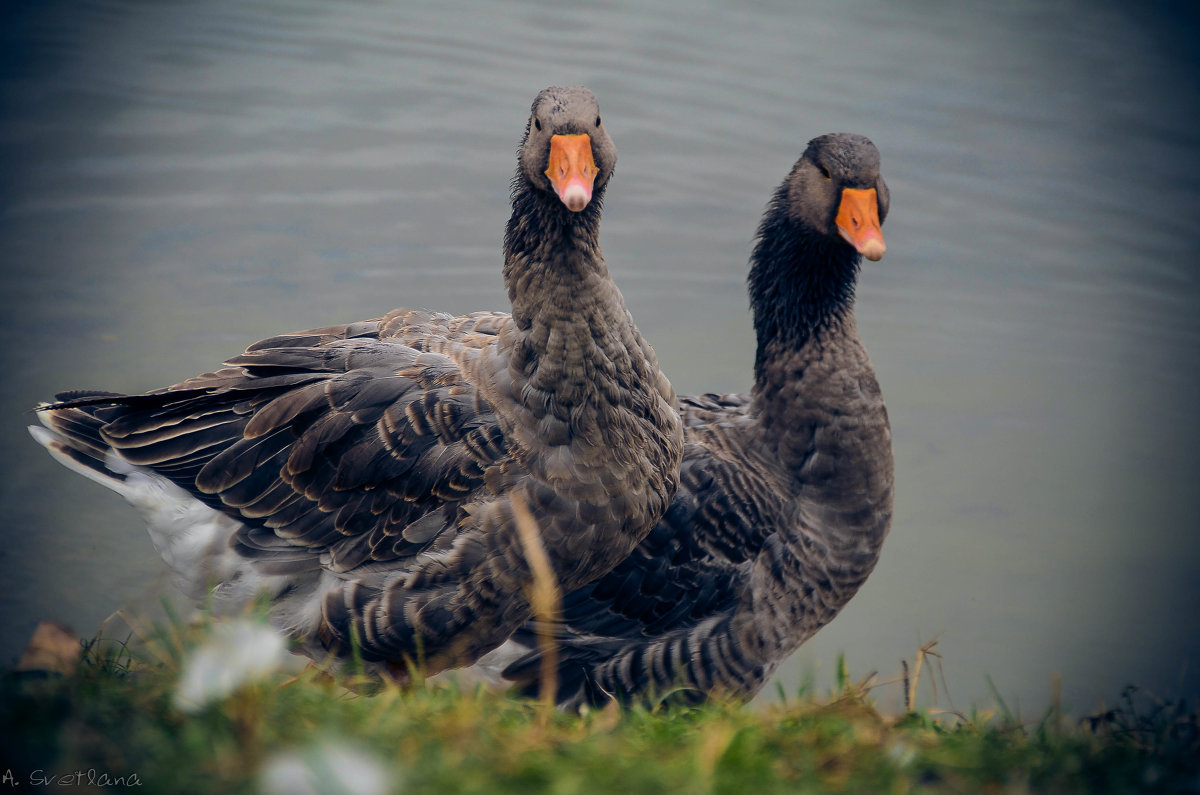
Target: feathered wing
{"points": [[334, 448]]}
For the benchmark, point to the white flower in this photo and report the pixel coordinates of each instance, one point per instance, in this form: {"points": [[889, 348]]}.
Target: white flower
{"points": [[238, 652], [324, 769]]}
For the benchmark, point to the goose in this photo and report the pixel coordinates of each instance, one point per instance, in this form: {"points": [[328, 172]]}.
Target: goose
{"points": [[785, 493], [364, 476]]}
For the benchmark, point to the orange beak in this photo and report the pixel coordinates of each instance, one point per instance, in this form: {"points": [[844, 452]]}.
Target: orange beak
{"points": [[571, 170], [858, 222]]}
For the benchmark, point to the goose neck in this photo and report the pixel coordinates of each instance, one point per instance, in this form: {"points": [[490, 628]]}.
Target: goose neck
{"points": [[801, 288]]}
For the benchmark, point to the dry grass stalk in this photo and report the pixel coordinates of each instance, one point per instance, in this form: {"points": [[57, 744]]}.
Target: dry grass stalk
{"points": [[927, 650], [544, 598], [162, 642]]}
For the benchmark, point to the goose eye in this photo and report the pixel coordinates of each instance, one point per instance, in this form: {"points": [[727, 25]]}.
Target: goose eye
{"points": [[825, 172], [597, 121], [537, 124]]}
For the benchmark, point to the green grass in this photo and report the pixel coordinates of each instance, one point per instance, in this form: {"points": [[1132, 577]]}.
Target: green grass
{"points": [[115, 715]]}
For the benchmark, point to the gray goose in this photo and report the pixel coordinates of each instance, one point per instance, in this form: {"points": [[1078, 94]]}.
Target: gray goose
{"points": [[364, 475], [785, 493]]}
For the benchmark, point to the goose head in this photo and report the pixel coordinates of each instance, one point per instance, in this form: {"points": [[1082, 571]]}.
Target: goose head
{"points": [[566, 151], [836, 189]]}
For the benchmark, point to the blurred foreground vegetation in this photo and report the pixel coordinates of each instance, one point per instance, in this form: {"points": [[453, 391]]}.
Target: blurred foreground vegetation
{"points": [[116, 720]]}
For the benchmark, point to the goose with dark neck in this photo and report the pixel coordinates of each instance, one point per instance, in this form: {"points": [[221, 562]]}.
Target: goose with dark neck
{"points": [[785, 494], [364, 476]]}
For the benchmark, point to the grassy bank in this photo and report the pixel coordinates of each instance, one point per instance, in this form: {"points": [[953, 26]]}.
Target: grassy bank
{"points": [[119, 720]]}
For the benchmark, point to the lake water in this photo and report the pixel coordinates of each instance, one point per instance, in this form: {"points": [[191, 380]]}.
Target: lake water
{"points": [[181, 179]]}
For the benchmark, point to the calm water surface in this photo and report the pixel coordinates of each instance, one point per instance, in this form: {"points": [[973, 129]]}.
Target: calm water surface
{"points": [[181, 179]]}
